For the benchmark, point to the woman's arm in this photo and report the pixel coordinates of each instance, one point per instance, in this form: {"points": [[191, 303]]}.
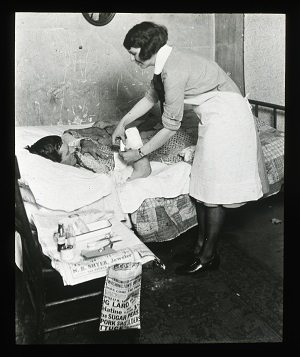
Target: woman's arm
{"points": [[156, 142], [141, 108]]}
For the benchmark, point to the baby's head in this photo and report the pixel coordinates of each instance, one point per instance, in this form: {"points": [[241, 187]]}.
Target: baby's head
{"points": [[48, 147]]}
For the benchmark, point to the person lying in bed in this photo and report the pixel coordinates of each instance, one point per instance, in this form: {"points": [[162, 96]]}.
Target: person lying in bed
{"points": [[85, 152]]}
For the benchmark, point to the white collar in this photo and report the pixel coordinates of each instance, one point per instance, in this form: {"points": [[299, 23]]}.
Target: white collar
{"points": [[161, 58]]}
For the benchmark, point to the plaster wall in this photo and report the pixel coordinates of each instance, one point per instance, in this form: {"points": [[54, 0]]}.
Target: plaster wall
{"points": [[264, 60], [69, 71]]}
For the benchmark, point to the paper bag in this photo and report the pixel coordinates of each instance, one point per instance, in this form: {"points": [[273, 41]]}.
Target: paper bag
{"points": [[121, 298]]}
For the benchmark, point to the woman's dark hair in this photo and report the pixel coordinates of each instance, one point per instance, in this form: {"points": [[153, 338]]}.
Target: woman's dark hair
{"points": [[48, 147], [147, 36]]}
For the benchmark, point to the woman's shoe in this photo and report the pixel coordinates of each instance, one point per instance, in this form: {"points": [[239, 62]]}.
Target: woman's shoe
{"points": [[196, 266]]}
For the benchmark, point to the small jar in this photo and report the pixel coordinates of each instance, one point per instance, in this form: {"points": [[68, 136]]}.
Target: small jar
{"points": [[67, 253]]}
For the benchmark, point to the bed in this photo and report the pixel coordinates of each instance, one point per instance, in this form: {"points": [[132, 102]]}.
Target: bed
{"points": [[157, 208]]}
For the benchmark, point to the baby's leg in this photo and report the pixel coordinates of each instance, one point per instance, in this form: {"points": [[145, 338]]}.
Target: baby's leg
{"points": [[141, 169]]}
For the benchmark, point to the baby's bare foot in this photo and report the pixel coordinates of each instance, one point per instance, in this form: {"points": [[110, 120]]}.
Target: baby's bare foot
{"points": [[140, 174], [141, 169]]}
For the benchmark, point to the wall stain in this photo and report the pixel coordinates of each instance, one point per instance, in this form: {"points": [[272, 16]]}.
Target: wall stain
{"points": [[55, 92]]}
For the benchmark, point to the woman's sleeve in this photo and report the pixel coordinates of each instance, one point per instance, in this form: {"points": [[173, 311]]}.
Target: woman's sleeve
{"points": [[151, 93], [174, 85]]}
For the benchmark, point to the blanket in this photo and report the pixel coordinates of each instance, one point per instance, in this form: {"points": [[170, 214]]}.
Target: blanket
{"points": [[168, 153], [272, 141], [162, 219]]}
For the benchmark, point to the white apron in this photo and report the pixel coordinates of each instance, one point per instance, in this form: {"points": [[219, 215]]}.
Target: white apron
{"points": [[225, 166]]}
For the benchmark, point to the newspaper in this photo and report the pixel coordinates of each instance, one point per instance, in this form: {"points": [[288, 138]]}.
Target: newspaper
{"points": [[128, 249]]}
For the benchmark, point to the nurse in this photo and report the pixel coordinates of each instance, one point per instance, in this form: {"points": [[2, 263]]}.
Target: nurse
{"points": [[228, 167]]}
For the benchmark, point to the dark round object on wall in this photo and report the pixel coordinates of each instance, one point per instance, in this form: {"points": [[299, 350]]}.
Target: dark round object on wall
{"points": [[98, 18]]}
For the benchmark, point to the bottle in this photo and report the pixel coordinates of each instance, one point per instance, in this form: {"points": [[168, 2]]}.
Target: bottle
{"points": [[71, 235], [61, 239]]}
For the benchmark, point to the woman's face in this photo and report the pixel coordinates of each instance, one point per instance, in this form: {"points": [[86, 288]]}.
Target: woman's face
{"points": [[134, 56], [64, 150]]}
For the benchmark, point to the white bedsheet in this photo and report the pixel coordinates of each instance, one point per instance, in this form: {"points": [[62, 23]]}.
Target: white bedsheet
{"points": [[62, 187], [166, 181]]}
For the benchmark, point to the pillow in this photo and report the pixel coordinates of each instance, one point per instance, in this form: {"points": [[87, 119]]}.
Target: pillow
{"points": [[61, 187], [27, 195]]}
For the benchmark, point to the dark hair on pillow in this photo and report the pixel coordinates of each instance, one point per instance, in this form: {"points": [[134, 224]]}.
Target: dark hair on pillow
{"points": [[47, 147], [147, 36]]}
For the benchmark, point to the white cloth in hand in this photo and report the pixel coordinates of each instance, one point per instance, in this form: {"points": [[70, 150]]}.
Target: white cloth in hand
{"points": [[188, 153]]}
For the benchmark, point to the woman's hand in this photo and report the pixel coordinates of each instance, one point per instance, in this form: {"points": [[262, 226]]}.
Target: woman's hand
{"points": [[130, 156], [119, 132]]}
